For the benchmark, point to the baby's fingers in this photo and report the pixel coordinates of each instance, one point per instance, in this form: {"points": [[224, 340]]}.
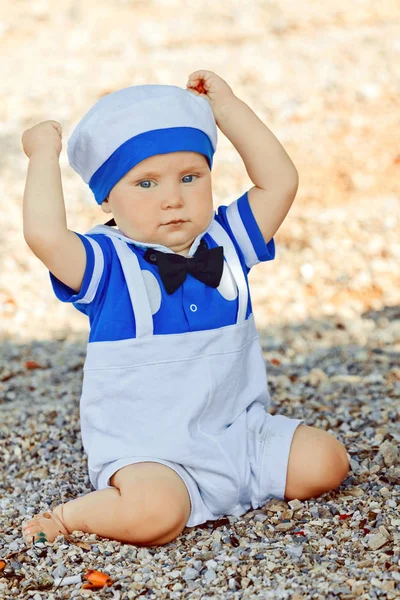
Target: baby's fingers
{"points": [[197, 89], [202, 74], [44, 135], [56, 126], [200, 78]]}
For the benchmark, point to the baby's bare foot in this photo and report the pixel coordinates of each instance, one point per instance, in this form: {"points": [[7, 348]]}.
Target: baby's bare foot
{"points": [[45, 527]]}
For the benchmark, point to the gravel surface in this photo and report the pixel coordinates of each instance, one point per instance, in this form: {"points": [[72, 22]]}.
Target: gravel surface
{"points": [[326, 79]]}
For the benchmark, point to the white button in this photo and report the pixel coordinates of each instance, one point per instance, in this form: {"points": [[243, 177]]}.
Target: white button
{"points": [[193, 307]]}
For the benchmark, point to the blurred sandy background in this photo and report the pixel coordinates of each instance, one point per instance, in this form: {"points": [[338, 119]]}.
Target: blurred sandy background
{"points": [[325, 77]]}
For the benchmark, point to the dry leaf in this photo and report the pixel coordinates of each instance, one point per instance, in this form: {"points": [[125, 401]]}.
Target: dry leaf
{"points": [[32, 364], [83, 545], [97, 580]]}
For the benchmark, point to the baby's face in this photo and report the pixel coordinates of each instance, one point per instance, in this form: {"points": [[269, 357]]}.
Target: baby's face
{"points": [[161, 189]]}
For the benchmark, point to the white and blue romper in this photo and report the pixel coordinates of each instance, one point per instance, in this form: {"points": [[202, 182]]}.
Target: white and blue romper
{"points": [[180, 379]]}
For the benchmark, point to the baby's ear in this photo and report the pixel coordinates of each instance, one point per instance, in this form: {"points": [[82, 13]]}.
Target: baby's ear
{"points": [[105, 206]]}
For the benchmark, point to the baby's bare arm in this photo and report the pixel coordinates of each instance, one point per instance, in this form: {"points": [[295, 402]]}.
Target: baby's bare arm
{"points": [[44, 218], [267, 163]]}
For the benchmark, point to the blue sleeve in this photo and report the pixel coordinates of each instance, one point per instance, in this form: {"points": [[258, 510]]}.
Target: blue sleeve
{"points": [[93, 279], [238, 220]]}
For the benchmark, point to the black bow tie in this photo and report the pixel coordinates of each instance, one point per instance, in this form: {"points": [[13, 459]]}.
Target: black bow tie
{"points": [[206, 265]]}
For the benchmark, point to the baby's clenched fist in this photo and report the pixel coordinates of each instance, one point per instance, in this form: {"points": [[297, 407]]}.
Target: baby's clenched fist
{"points": [[45, 136]]}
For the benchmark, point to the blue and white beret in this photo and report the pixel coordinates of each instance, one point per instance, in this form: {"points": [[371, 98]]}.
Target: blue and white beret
{"points": [[129, 125]]}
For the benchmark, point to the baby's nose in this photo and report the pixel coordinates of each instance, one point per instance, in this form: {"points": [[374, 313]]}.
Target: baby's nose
{"points": [[174, 199]]}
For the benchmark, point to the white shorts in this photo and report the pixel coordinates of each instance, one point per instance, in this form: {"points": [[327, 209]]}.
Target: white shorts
{"points": [[269, 439]]}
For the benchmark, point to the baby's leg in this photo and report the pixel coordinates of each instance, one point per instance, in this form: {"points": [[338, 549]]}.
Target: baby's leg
{"points": [[149, 505], [317, 463]]}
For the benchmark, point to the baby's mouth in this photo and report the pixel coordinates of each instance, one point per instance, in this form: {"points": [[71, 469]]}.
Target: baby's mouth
{"points": [[175, 222]]}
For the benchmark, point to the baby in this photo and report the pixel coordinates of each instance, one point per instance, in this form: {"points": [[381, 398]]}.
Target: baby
{"points": [[174, 406]]}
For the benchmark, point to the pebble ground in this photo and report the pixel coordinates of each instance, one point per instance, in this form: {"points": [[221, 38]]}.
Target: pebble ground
{"points": [[326, 80]]}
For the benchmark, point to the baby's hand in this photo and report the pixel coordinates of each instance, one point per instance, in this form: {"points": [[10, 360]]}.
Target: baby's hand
{"points": [[46, 135], [210, 86]]}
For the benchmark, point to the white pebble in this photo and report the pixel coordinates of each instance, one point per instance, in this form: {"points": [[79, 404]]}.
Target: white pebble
{"points": [[211, 564], [209, 575], [307, 271], [294, 551], [60, 571], [190, 573], [376, 541], [389, 453], [174, 574], [232, 583], [13, 546], [68, 580], [296, 504], [177, 586]]}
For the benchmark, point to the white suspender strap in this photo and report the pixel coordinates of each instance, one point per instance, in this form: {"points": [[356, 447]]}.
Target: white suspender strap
{"points": [[137, 291], [219, 234]]}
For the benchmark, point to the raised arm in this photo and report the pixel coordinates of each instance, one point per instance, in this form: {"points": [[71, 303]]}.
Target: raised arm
{"points": [[44, 220], [268, 165]]}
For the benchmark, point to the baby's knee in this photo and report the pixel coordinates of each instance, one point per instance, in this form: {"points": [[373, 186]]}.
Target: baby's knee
{"points": [[155, 526], [333, 464], [155, 503], [318, 463]]}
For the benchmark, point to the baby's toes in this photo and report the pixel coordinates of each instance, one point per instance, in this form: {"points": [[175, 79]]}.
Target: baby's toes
{"points": [[32, 533], [30, 527], [44, 528]]}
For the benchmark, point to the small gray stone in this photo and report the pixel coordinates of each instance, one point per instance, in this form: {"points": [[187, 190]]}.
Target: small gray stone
{"points": [[389, 453], [13, 546], [232, 584], [209, 575], [355, 467], [190, 573], [296, 504], [211, 564], [60, 571], [377, 540], [294, 551]]}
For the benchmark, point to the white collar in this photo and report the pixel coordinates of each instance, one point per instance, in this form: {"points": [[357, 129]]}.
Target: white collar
{"points": [[116, 233]]}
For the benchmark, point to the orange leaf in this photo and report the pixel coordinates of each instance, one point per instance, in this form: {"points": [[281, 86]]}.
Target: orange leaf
{"points": [[10, 300], [2, 564], [97, 580], [275, 361], [344, 516], [90, 586], [32, 364]]}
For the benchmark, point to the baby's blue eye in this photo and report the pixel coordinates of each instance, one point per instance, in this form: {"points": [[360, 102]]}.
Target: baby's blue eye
{"points": [[145, 181], [147, 187], [188, 176]]}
